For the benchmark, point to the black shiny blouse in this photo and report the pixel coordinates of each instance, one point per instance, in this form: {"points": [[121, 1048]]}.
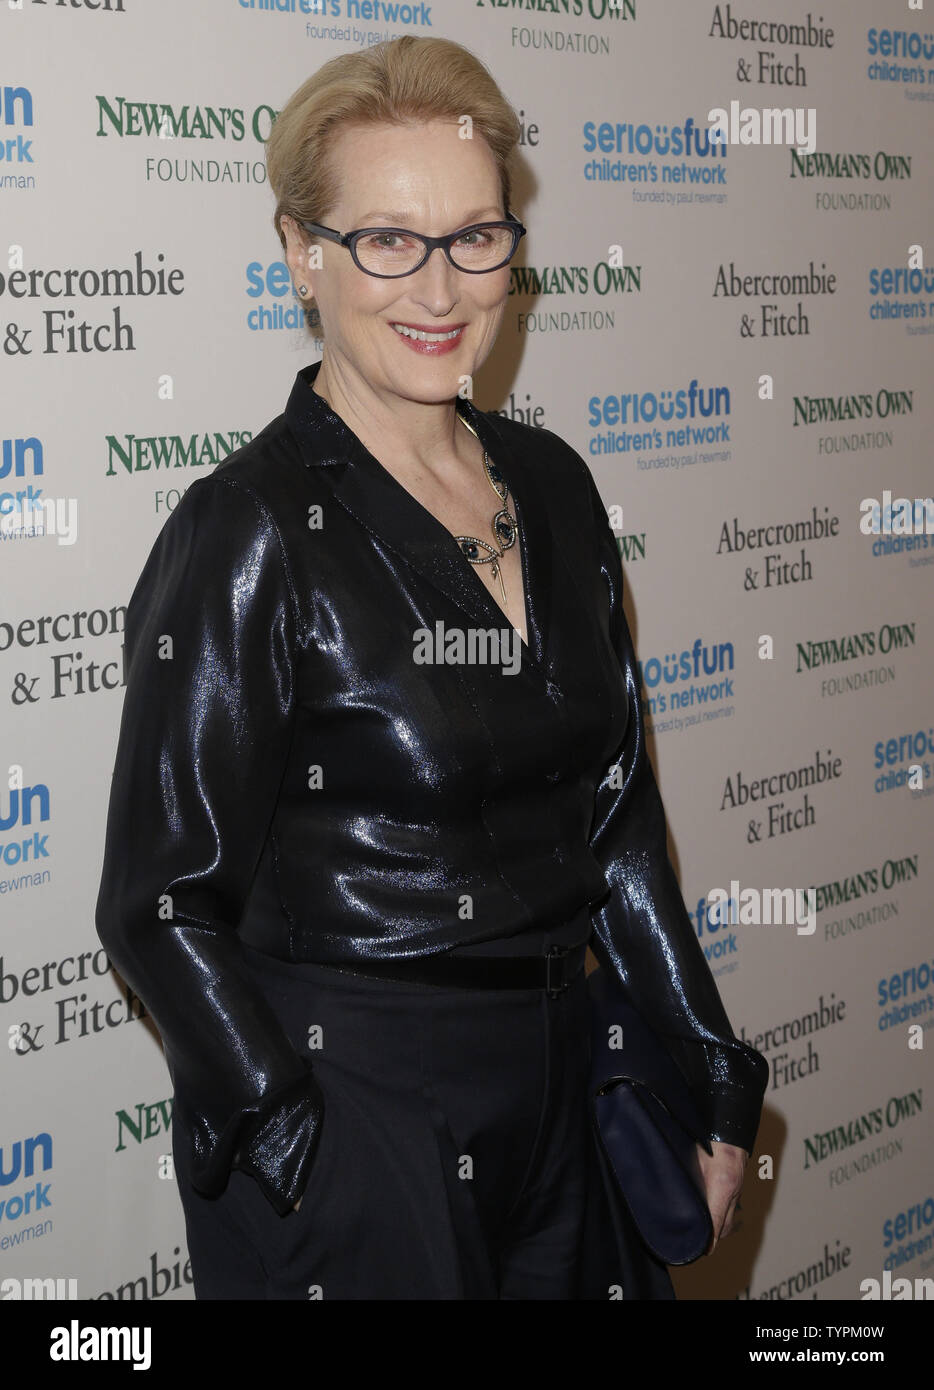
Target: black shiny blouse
{"points": [[290, 778]]}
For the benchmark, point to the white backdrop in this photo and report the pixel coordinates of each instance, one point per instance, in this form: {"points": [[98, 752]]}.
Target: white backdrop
{"points": [[807, 652]]}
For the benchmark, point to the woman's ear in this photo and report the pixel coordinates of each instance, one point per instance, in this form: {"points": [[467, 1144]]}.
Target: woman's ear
{"points": [[302, 258]]}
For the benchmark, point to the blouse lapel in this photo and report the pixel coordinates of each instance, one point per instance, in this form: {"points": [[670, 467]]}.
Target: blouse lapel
{"points": [[388, 510]]}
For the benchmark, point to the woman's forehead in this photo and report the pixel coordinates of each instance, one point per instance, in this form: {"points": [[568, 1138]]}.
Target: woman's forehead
{"points": [[392, 174]]}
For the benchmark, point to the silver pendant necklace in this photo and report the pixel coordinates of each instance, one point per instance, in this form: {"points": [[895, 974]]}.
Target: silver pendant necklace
{"points": [[504, 524]]}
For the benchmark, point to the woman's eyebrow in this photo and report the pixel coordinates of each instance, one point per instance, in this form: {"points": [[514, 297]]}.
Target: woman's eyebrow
{"points": [[401, 219]]}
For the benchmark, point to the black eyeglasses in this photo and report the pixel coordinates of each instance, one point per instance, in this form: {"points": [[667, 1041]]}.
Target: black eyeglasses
{"points": [[477, 249]]}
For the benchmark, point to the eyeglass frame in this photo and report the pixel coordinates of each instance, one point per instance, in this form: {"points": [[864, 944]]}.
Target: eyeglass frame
{"points": [[431, 243]]}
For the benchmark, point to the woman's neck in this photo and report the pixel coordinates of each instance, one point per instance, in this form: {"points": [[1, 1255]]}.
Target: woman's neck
{"points": [[424, 437]]}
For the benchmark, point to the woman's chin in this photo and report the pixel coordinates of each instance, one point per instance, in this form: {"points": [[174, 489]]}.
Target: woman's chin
{"points": [[428, 382]]}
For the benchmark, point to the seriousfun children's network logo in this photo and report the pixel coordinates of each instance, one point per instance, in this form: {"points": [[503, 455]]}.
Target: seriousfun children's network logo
{"points": [[693, 698], [654, 153], [25, 1159], [909, 1233], [25, 806], [720, 946], [670, 406]]}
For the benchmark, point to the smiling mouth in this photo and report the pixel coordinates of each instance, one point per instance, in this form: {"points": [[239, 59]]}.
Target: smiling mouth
{"points": [[423, 337]]}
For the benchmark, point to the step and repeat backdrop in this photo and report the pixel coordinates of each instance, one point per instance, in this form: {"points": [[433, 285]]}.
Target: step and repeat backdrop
{"points": [[725, 303]]}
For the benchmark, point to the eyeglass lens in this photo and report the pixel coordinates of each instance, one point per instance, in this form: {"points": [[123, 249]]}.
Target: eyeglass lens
{"points": [[394, 253]]}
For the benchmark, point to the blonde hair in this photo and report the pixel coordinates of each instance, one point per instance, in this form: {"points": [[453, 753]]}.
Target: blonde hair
{"points": [[404, 80]]}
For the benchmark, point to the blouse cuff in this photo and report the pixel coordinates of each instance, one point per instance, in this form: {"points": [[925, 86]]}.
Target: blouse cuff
{"points": [[279, 1148]]}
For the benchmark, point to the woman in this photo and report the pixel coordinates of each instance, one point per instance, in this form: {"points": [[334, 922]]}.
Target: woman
{"points": [[382, 772]]}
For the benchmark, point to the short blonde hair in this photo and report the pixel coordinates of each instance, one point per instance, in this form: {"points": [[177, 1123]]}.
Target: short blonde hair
{"points": [[403, 80]]}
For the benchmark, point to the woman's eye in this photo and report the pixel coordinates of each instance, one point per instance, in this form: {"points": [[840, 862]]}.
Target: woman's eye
{"points": [[383, 239]]}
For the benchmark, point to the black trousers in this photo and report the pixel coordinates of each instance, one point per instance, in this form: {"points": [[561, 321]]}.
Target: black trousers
{"points": [[457, 1159]]}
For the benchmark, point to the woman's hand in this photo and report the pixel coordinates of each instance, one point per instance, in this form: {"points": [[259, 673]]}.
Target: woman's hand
{"points": [[722, 1172]]}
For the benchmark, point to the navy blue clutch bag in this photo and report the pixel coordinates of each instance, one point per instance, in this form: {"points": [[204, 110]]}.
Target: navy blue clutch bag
{"points": [[648, 1124]]}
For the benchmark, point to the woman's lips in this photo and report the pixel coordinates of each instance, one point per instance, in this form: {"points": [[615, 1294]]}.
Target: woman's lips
{"points": [[430, 349]]}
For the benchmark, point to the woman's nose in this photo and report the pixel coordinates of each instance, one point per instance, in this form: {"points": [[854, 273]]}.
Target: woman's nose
{"points": [[437, 272]]}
